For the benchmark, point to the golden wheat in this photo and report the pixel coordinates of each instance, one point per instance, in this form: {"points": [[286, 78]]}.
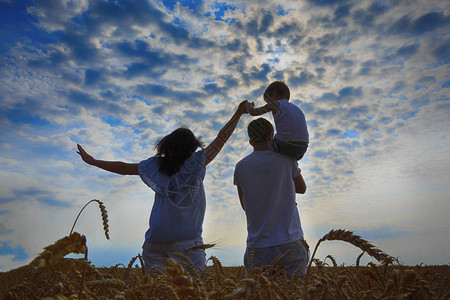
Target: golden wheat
{"points": [[52, 276], [355, 240], [104, 217], [185, 286], [332, 260], [187, 263], [421, 282], [74, 243], [200, 246]]}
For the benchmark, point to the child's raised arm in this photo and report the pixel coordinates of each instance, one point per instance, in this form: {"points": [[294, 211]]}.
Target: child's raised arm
{"points": [[224, 134], [271, 106]]}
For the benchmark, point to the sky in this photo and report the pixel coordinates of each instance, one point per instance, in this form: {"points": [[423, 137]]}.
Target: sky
{"points": [[371, 76]]}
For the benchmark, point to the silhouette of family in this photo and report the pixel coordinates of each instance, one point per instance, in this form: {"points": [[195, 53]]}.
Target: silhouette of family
{"points": [[267, 181]]}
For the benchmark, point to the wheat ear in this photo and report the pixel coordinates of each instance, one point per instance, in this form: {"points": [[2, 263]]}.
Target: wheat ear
{"points": [[187, 263], [218, 268], [104, 217], [199, 246], [355, 240], [332, 260], [74, 243], [185, 286]]}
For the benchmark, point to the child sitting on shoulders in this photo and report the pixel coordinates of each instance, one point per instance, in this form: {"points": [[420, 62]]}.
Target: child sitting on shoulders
{"points": [[292, 136]]}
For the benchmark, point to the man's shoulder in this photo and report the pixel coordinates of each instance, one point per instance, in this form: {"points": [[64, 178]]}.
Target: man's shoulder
{"points": [[245, 159], [263, 156]]}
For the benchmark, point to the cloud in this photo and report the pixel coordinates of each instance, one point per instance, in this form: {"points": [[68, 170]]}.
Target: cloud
{"points": [[35, 194], [326, 2], [408, 51], [258, 25], [304, 78], [18, 252], [430, 21], [441, 52], [118, 76], [175, 95], [345, 95], [53, 14], [3, 228]]}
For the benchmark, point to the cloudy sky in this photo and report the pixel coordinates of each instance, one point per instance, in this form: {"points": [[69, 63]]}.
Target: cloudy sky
{"points": [[371, 76]]}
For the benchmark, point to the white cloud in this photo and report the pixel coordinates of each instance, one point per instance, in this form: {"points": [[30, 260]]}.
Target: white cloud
{"points": [[120, 83], [54, 15]]}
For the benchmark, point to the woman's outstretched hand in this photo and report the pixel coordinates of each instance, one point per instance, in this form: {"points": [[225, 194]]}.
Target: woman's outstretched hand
{"points": [[85, 156]]}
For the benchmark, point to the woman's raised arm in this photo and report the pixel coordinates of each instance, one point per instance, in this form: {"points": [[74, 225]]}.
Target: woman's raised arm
{"points": [[224, 134]]}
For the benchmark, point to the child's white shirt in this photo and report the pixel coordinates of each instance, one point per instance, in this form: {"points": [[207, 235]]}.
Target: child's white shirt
{"points": [[290, 123]]}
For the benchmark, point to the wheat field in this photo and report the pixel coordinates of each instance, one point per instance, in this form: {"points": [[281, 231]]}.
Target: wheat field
{"points": [[53, 276]]}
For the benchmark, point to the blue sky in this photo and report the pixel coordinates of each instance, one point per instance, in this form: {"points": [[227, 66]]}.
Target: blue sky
{"points": [[371, 76]]}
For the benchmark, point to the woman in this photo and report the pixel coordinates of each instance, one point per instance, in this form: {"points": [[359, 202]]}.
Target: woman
{"points": [[176, 176]]}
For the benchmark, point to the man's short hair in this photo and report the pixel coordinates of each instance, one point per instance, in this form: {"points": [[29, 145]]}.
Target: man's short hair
{"points": [[259, 129], [280, 87]]}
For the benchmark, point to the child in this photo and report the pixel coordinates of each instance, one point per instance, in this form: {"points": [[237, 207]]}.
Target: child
{"points": [[292, 134]]}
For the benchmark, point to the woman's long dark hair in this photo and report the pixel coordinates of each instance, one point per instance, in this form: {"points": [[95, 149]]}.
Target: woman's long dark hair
{"points": [[175, 148]]}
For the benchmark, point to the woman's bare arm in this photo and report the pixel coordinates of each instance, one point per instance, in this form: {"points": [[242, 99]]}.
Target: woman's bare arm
{"points": [[224, 134], [117, 167]]}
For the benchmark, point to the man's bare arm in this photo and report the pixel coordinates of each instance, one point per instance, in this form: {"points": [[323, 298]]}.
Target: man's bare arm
{"points": [[241, 197], [224, 134], [300, 185], [117, 167]]}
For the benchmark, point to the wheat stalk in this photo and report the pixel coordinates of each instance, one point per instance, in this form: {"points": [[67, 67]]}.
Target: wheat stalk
{"points": [[218, 268], [277, 260], [185, 286], [333, 261], [199, 246], [74, 243], [359, 258], [106, 283], [188, 264], [305, 244], [133, 259], [355, 240], [104, 217]]}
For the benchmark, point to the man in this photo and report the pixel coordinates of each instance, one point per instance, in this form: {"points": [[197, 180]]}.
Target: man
{"points": [[267, 183]]}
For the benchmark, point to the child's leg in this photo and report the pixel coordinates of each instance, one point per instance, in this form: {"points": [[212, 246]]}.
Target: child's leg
{"points": [[274, 146], [289, 148]]}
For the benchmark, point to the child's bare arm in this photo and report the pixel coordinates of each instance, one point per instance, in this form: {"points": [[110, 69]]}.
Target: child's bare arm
{"points": [[271, 106], [224, 134], [117, 167]]}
